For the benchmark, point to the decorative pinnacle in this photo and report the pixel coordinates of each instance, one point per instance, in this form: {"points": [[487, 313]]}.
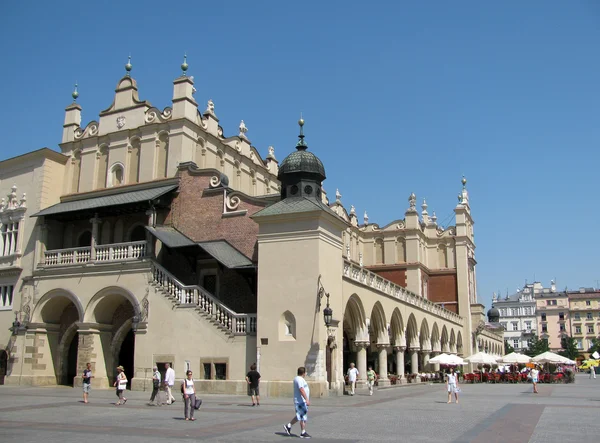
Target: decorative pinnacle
{"points": [[464, 181], [75, 94], [301, 146], [128, 66], [184, 65]]}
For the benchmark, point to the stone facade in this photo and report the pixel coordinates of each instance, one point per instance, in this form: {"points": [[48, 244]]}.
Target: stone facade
{"points": [[152, 238], [518, 315]]}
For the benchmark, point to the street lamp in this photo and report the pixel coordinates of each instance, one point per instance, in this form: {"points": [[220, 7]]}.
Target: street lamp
{"points": [[16, 324], [327, 312]]}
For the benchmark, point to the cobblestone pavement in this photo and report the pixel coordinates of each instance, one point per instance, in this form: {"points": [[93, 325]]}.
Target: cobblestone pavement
{"points": [[486, 413]]}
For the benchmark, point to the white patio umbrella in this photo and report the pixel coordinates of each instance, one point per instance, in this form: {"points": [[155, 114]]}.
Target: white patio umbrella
{"points": [[551, 357], [482, 358], [514, 357], [447, 359]]}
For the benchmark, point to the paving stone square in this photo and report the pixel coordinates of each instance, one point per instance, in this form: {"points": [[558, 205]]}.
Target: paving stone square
{"points": [[485, 413]]}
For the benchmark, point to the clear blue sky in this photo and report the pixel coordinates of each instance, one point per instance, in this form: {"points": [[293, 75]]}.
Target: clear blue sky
{"points": [[398, 97]]}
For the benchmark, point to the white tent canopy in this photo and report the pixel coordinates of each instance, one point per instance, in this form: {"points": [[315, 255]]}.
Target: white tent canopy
{"points": [[515, 357], [551, 357], [482, 358], [447, 359]]}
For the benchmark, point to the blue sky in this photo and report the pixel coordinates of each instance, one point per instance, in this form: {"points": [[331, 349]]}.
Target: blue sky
{"points": [[398, 97]]}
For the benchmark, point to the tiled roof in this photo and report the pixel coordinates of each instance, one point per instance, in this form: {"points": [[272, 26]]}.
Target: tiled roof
{"points": [[293, 206], [226, 254], [170, 236]]}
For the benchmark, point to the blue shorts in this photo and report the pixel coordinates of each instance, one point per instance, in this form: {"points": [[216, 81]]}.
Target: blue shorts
{"points": [[301, 411], [534, 380]]}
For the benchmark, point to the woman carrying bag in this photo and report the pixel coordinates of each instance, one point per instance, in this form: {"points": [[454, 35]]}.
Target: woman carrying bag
{"points": [[121, 385], [188, 389]]}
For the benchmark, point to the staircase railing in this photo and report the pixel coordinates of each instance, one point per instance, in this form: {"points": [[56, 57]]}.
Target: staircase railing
{"points": [[238, 324]]}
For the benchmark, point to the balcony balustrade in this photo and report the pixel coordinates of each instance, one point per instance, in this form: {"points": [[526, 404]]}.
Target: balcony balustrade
{"points": [[111, 253]]}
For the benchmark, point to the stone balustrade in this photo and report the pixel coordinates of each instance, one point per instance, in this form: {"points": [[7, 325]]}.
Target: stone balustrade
{"points": [[371, 279], [112, 253]]}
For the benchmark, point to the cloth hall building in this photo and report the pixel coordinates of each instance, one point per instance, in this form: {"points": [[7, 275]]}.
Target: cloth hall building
{"points": [[150, 237]]}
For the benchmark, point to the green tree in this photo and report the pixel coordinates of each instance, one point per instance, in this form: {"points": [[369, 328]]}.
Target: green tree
{"points": [[508, 348], [537, 346], [569, 348]]}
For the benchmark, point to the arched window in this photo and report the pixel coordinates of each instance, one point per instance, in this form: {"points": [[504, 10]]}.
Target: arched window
{"points": [[85, 239], [116, 175], [442, 256], [102, 157], [400, 251], [379, 250], [287, 327], [134, 161], [76, 168], [162, 144]]}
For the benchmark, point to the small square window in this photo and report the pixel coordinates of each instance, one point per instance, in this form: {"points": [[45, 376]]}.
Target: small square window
{"points": [[207, 371], [220, 371], [544, 328], [589, 316], [577, 329], [590, 329], [588, 303]]}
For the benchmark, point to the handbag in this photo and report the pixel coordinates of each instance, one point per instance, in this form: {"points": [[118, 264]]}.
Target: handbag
{"points": [[457, 390], [122, 385], [198, 403], [156, 384]]}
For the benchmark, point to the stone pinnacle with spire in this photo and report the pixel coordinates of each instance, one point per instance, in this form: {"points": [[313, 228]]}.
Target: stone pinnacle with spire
{"points": [[184, 65], [128, 66], [301, 145], [75, 94]]}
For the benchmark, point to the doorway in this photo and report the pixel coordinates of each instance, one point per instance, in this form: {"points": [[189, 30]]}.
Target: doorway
{"points": [[3, 365], [72, 361], [126, 356]]}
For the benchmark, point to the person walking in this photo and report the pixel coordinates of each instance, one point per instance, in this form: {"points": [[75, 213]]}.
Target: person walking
{"points": [[592, 372], [352, 376], [169, 383], [121, 385], [301, 403], [371, 377], [253, 379], [155, 386], [87, 381], [535, 373], [452, 383], [189, 396]]}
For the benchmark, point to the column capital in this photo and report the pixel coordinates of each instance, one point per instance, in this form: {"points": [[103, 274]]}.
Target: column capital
{"points": [[362, 344], [400, 348], [383, 345], [95, 219], [413, 349]]}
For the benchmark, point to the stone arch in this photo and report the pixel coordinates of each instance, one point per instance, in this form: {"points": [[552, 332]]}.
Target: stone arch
{"points": [[452, 342], [137, 229], [378, 325], [397, 328], [425, 335], [116, 175], [444, 340], [105, 233], [459, 343], [51, 305], [412, 333], [287, 327], [101, 307], [355, 320], [435, 338]]}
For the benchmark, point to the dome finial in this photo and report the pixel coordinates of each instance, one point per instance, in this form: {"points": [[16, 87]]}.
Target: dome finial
{"points": [[128, 66], [464, 181], [184, 65], [301, 145], [75, 94]]}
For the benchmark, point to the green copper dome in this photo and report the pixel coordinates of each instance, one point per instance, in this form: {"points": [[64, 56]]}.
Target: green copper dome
{"points": [[301, 161]]}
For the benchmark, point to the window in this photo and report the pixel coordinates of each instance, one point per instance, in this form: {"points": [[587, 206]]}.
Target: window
{"points": [[10, 237], [116, 175], [579, 343], [516, 343], [207, 371], [543, 317], [6, 297], [503, 325], [515, 326], [528, 325], [589, 316], [588, 303], [503, 312], [577, 316], [528, 311], [220, 371], [561, 316], [544, 328], [590, 329], [577, 329], [551, 302], [515, 312], [562, 327]]}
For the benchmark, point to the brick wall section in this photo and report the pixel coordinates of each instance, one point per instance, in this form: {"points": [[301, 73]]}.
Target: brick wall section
{"points": [[199, 214], [443, 289], [235, 292], [397, 276]]}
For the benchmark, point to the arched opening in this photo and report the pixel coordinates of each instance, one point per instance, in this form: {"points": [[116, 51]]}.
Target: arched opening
{"points": [[126, 356], [138, 233], [71, 363], [355, 330], [287, 327], [85, 239], [3, 365]]}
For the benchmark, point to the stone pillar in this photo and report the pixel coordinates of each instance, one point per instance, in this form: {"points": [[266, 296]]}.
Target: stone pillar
{"points": [[151, 213], [43, 243], [95, 223], [90, 349], [383, 373], [435, 366], [400, 363], [426, 361], [361, 361], [414, 360]]}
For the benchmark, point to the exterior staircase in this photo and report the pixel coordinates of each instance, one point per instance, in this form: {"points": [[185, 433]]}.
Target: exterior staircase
{"points": [[191, 296]]}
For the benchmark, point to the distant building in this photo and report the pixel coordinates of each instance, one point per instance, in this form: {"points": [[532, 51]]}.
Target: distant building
{"points": [[517, 315], [584, 314]]}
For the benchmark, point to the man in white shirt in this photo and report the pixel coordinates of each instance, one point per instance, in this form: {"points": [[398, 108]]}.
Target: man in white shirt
{"points": [[301, 402], [169, 382], [352, 376], [534, 373]]}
